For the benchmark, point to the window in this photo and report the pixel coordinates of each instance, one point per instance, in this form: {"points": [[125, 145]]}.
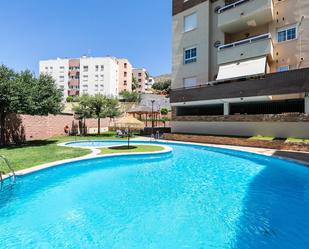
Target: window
{"points": [[283, 68], [139, 80], [61, 78], [190, 82], [102, 68], [140, 74], [190, 22], [287, 33], [125, 83], [97, 68], [125, 74], [102, 77], [85, 68], [190, 55], [85, 78], [125, 65]]}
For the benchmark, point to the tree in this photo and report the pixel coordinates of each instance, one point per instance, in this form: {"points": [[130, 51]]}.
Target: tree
{"points": [[164, 86], [97, 105], [101, 107], [82, 112], [70, 99], [134, 84], [130, 96], [164, 111], [112, 108], [24, 93], [164, 120]]}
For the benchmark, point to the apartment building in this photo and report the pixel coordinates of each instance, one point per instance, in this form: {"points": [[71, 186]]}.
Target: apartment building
{"points": [[125, 75], [141, 76], [241, 67], [89, 75]]}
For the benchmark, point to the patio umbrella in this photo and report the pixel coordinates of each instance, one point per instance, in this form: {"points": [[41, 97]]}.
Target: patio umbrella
{"points": [[130, 123]]}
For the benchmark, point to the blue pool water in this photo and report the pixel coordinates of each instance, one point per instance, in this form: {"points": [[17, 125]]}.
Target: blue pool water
{"points": [[195, 197]]}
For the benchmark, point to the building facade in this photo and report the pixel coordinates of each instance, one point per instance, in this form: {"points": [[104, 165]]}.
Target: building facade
{"points": [[239, 63], [141, 76], [125, 75], [89, 75]]}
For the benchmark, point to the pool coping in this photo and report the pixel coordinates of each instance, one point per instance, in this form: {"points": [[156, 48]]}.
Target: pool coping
{"points": [[255, 150], [95, 154]]}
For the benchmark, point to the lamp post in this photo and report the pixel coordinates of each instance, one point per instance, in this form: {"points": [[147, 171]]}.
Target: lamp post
{"points": [[152, 121]]}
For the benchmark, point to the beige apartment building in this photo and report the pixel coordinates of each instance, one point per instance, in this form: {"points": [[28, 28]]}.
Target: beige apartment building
{"points": [[241, 67], [141, 76]]}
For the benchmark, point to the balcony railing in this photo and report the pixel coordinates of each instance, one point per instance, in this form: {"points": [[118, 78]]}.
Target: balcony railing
{"points": [[232, 5], [245, 41], [253, 47]]}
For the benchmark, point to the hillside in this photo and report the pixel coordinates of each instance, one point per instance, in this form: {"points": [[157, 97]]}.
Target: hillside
{"points": [[162, 78]]}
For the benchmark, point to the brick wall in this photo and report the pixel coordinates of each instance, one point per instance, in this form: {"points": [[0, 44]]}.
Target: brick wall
{"points": [[27, 127]]}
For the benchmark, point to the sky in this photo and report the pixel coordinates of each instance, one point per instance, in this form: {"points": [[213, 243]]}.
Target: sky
{"points": [[33, 30]]}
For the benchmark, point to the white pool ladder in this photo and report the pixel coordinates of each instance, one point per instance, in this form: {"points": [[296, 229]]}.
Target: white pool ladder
{"points": [[11, 174]]}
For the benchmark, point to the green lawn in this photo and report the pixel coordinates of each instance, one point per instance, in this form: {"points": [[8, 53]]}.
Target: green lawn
{"points": [[133, 148], [44, 151], [262, 138], [298, 140]]}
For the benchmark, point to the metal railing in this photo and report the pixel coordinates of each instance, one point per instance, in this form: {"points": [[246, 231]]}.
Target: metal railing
{"points": [[232, 5], [245, 41], [11, 173]]}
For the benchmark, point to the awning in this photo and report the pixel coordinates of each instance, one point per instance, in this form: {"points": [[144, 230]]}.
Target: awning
{"points": [[242, 68]]}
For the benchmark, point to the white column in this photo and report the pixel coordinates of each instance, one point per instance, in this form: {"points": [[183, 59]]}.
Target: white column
{"points": [[226, 109], [307, 103]]}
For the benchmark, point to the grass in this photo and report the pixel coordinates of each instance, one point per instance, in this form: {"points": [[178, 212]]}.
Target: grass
{"points": [[135, 148], [297, 140], [294, 140], [262, 138], [45, 151]]}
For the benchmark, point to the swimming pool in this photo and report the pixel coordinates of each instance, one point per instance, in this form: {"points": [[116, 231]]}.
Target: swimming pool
{"points": [[195, 197]]}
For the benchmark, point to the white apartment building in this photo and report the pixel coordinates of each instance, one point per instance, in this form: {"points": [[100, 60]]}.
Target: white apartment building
{"points": [[99, 75], [86, 75]]}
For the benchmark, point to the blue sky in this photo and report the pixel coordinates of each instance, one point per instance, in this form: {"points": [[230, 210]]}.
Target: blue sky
{"points": [[139, 30]]}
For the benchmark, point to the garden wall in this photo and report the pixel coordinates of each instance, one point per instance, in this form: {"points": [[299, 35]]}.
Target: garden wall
{"points": [[27, 127]]}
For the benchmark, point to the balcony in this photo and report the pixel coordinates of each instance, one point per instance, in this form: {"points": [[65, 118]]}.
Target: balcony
{"points": [[73, 92], [74, 72], [245, 14], [73, 83], [253, 47]]}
